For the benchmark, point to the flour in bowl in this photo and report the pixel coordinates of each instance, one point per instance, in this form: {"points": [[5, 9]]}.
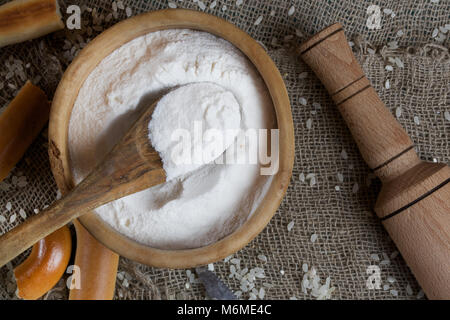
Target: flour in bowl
{"points": [[194, 209]]}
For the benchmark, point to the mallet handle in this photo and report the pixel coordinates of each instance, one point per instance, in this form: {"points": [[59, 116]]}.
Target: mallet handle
{"points": [[414, 202]]}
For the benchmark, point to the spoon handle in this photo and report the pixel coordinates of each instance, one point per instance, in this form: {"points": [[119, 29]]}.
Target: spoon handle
{"points": [[130, 167]]}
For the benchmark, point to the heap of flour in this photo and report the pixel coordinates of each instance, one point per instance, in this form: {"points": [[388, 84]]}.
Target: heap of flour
{"points": [[194, 209], [193, 125]]}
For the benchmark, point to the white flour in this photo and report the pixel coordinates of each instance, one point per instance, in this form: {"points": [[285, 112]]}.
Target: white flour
{"points": [[180, 118], [195, 209]]}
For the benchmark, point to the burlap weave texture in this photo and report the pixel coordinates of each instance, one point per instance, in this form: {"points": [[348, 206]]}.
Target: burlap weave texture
{"points": [[349, 234]]}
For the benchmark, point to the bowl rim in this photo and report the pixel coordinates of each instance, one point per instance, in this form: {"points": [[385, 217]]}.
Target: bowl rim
{"points": [[88, 59]]}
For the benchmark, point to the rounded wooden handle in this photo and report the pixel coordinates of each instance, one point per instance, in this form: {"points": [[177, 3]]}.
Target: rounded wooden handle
{"points": [[415, 210], [380, 138], [98, 268], [414, 201]]}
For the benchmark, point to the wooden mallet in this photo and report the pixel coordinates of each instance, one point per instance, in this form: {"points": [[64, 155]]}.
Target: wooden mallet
{"points": [[414, 202]]}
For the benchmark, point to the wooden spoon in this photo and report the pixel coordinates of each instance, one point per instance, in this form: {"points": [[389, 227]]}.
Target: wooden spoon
{"points": [[131, 166]]}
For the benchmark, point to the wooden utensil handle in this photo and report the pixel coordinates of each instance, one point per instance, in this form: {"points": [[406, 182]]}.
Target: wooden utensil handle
{"points": [[114, 178], [88, 195], [379, 136], [414, 200], [98, 267], [32, 230], [421, 231]]}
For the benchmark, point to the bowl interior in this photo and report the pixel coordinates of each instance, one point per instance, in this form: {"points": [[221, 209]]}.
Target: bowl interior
{"points": [[103, 45]]}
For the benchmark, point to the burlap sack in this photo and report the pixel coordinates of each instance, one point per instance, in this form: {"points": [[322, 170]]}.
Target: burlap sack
{"points": [[349, 236]]}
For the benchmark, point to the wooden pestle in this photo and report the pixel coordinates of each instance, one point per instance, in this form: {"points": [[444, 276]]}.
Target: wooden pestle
{"points": [[414, 202]]}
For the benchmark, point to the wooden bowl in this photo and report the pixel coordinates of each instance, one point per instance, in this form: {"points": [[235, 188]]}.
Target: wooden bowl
{"points": [[115, 37]]}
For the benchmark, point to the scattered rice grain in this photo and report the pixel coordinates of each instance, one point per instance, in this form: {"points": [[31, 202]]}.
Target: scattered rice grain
{"points": [[258, 20], [393, 44], [394, 255], [22, 213], [128, 12], [291, 11], [355, 187], [385, 262], [409, 290], [261, 293], [302, 177], [399, 62], [374, 257], [303, 75], [201, 5], [262, 257], [290, 225], [447, 115]]}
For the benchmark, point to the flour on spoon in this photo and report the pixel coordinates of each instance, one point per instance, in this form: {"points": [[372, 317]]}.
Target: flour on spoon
{"points": [[193, 125]]}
